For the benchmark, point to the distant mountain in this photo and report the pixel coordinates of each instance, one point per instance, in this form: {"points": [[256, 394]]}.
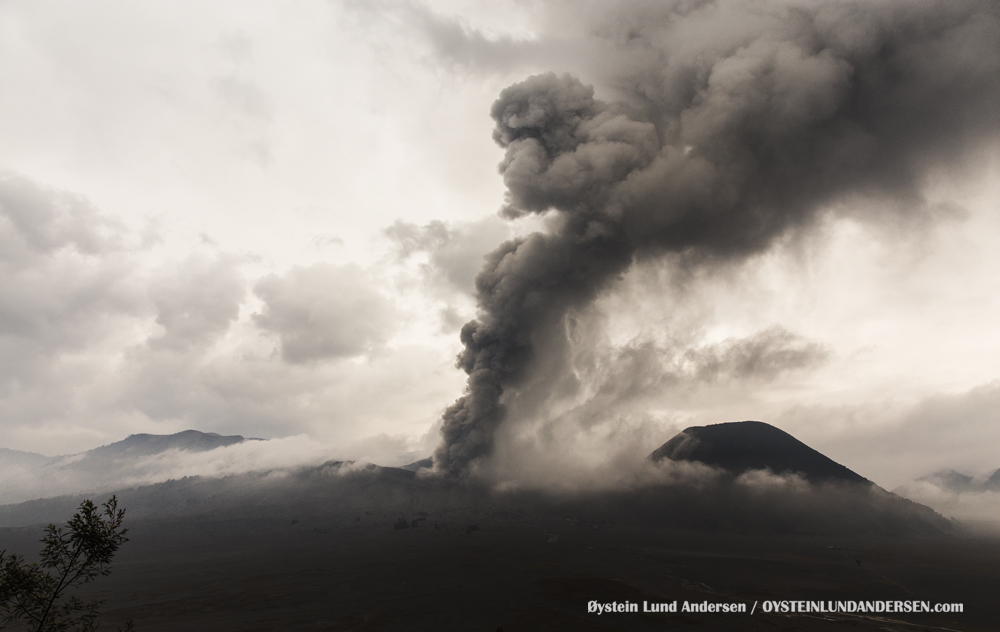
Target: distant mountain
{"points": [[26, 460], [419, 465], [349, 493], [966, 497], [114, 455], [359, 493], [950, 480], [753, 445], [342, 488], [24, 475], [149, 444], [132, 446], [993, 482], [956, 482]]}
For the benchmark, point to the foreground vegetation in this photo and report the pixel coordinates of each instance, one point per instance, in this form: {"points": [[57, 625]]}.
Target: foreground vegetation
{"points": [[40, 595]]}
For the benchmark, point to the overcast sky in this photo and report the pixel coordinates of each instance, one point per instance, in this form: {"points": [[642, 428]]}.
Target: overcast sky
{"points": [[265, 218]]}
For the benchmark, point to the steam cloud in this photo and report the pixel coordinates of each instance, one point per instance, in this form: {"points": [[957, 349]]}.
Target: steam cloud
{"points": [[734, 125]]}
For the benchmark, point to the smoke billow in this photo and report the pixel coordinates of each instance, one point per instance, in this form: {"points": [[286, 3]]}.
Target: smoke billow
{"points": [[714, 148]]}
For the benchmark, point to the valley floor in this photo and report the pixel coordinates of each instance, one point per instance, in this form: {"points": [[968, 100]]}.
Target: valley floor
{"points": [[477, 573]]}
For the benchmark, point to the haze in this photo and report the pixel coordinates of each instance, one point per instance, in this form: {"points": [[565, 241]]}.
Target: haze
{"points": [[265, 219]]}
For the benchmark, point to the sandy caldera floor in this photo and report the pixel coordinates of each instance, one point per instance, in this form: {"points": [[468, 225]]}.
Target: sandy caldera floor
{"points": [[473, 573]]}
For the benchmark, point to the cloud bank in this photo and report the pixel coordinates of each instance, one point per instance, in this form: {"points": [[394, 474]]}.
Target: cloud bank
{"points": [[772, 211], [103, 334]]}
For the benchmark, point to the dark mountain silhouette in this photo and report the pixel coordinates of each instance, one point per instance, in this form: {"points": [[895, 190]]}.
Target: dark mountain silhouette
{"points": [[349, 493], [970, 498], [132, 446], [18, 458], [108, 457], [993, 482], [135, 458], [956, 482], [364, 494], [148, 444], [336, 488], [753, 445], [950, 480], [419, 465]]}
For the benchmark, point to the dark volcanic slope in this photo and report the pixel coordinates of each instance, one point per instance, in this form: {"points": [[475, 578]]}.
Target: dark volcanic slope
{"points": [[753, 445]]}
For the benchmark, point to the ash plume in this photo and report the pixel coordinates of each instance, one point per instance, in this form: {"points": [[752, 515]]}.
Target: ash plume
{"points": [[734, 124]]}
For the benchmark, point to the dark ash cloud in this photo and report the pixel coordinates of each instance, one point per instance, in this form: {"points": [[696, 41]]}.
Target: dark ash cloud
{"points": [[761, 356], [585, 422], [647, 369], [716, 146]]}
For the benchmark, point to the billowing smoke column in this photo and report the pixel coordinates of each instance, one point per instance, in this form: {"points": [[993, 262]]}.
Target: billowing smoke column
{"points": [[720, 143]]}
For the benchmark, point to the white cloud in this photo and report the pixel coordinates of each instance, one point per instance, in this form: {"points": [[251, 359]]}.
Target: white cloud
{"points": [[324, 311], [292, 138], [103, 335], [196, 301]]}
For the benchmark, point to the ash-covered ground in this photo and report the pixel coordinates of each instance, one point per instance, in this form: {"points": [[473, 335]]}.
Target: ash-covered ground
{"points": [[738, 514], [350, 547]]}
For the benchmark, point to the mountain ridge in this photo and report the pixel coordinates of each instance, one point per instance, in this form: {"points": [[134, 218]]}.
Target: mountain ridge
{"points": [[143, 444], [742, 446]]}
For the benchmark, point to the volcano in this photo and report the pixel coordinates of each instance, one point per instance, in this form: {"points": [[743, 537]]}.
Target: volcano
{"points": [[741, 446]]}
